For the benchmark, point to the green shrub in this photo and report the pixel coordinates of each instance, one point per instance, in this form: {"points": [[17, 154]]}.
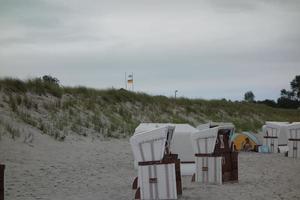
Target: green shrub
{"points": [[13, 85], [27, 102], [12, 103], [19, 100]]}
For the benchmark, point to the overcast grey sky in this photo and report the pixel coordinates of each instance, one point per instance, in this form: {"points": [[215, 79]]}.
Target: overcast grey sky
{"points": [[206, 49]]}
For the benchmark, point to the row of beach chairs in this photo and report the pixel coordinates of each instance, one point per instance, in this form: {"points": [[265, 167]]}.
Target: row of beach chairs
{"points": [[165, 152], [159, 175], [282, 137]]}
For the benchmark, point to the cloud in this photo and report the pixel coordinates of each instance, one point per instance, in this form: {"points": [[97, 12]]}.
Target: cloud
{"points": [[209, 49]]}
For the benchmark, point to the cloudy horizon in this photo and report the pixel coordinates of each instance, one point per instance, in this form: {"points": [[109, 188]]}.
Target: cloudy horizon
{"points": [[203, 49]]}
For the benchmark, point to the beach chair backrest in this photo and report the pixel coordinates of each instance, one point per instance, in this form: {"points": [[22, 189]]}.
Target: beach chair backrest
{"points": [[204, 141], [293, 131], [149, 145]]}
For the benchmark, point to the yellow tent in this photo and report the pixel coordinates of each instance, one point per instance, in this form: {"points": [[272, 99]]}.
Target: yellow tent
{"points": [[244, 141]]}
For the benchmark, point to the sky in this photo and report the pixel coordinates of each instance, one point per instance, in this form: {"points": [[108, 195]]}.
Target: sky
{"points": [[204, 49]]}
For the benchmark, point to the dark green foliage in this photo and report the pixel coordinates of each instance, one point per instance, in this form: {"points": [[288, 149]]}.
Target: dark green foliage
{"points": [[286, 94], [295, 86], [13, 85], [12, 103], [36, 106], [51, 80], [19, 100], [249, 96], [268, 102], [291, 99], [90, 104], [37, 86], [68, 104], [80, 90], [27, 102], [287, 103]]}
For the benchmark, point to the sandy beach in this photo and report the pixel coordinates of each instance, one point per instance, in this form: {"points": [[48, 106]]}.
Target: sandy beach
{"points": [[83, 168], [82, 80]]}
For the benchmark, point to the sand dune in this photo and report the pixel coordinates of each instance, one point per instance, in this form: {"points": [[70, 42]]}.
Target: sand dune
{"points": [[82, 168]]}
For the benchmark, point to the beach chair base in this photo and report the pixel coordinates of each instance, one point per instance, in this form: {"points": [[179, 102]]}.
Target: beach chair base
{"points": [[272, 143], [157, 180], [294, 148]]}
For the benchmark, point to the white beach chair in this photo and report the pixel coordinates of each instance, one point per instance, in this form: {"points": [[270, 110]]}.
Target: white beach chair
{"points": [[293, 131], [156, 176], [271, 134], [214, 157], [208, 166]]}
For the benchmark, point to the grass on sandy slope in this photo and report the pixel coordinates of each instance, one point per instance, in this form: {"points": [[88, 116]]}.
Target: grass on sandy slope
{"points": [[57, 111]]}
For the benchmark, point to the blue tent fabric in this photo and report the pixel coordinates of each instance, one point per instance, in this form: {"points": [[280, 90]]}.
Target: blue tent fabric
{"points": [[252, 137], [263, 149]]}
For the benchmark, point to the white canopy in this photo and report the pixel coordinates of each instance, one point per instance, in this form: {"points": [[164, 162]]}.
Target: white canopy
{"points": [[296, 123], [277, 129], [292, 130], [150, 145], [204, 141], [181, 143], [203, 126]]}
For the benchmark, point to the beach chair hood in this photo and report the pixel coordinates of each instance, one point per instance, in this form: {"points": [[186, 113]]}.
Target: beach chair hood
{"points": [[151, 145], [204, 140]]}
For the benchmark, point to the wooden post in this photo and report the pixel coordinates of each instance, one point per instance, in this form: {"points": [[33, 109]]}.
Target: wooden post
{"points": [[2, 167]]}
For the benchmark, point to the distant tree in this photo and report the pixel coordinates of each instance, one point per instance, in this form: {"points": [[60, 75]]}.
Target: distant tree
{"points": [[249, 96], [268, 102], [295, 86], [290, 98], [50, 79], [287, 94]]}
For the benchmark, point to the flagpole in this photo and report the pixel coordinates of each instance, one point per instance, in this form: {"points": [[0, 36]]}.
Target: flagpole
{"points": [[125, 81], [132, 82]]}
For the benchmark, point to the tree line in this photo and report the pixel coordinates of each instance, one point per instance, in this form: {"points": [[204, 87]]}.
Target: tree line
{"points": [[288, 98]]}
